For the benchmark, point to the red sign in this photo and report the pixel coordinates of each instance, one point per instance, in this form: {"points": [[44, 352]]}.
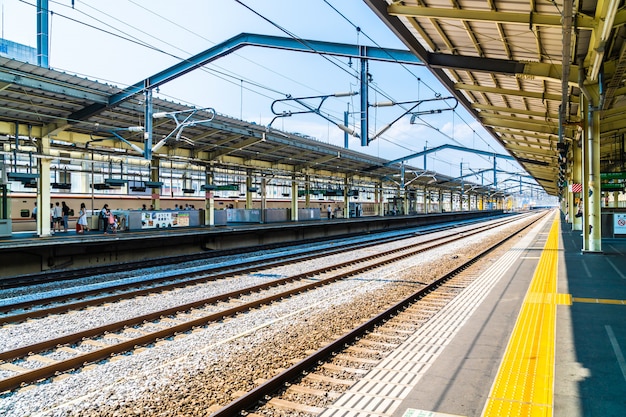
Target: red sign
{"points": [[577, 188]]}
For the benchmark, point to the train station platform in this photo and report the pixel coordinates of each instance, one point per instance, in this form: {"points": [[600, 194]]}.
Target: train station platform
{"points": [[25, 253], [541, 332]]}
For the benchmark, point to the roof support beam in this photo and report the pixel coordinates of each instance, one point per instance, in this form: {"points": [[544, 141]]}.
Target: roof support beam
{"points": [[526, 141], [507, 92], [28, 80], [225, 151], [533, 162], [318, 161], [532, 150], [537, 135], [475, 63], [510, 110], [614, 124], [529, 126], [536, 70], [536, 19]]}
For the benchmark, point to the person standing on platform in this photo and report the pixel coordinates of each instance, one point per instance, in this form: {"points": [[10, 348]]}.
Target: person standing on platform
{"points": [[34, 213], [65, 210], [110, 223], [57, 216], [81, 223], [104, 218], [51, 218], [329, 210]]}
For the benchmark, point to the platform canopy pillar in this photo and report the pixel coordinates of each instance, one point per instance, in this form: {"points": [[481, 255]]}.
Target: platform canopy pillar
{"points": [[209, 199], [595, 203], [615, 198], [263, 197], [379, 198], [43, 188], [440, 200], [584, 200], [155, 175], [294, 198], [346, 199], [307, 191], [248, 187]]}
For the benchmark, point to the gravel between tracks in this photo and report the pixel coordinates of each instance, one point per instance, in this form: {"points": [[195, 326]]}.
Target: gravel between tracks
{"points": [[193, 374]]}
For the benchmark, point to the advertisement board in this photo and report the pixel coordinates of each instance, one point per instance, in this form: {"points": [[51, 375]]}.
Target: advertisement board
{"points": [[164, 219], [619, 223]]}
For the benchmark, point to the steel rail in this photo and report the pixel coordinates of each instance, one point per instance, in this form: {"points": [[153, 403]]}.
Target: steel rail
{"points": [[100, 354], [71, 274], [215, 274], [259, 394]]}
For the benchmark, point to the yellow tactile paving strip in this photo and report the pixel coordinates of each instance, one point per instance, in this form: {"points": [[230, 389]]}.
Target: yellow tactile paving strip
{"points": [[524, 385], [598, 301]]}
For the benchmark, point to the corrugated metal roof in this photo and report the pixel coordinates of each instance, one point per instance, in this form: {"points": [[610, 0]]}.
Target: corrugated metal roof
{"points": [[42, 97], [505, 61]]}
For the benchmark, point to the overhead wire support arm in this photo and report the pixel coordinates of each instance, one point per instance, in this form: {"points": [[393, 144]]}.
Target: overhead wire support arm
{"points": [[237, 42], [134, 129], [183, 119], [414, 115], [310, 109]]}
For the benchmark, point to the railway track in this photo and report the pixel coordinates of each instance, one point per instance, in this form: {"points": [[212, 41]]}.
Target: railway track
{"points": [[48, 358], [326, 381], [44, 306], [74, 274], [321, 377]]}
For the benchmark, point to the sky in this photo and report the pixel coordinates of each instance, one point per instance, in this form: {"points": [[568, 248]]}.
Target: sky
{"points": [[121, 42]]}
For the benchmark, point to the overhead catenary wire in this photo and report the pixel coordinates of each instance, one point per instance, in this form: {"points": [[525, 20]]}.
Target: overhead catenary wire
{"points": [[407, 69], [127, 37], [226, 75]]}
